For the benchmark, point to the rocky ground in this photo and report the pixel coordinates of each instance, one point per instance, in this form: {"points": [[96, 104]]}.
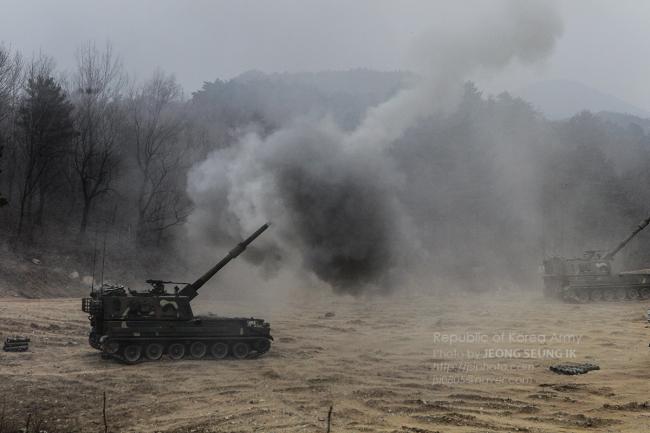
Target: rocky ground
{"points": [[400, 364]]}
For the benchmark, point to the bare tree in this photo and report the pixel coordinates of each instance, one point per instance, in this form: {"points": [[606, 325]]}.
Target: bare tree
{"points": [[3, 201], [44, 130], [99, 118], [11, 66], [156, 126]]}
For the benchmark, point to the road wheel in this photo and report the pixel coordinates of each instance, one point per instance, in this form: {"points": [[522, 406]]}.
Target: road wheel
{"points": [[111, 347], [609, 295], [198, 350], [240, 350], [93, 340], [262, 345], [632, 293], [219, 350], [575, 295], [176, 351], [644, 293], [596, 294], [620, 294], [154, 351], [132, 353]]}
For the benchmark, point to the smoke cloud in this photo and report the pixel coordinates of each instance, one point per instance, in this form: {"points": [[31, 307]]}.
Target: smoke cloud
{"points": [[342, 203]]}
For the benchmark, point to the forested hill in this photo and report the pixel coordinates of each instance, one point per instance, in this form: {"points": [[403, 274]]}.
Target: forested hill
{"points": [[491, 188], [273, 100]]}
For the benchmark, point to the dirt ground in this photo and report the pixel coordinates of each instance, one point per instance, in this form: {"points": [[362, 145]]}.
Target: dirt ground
{"points": [[409, 364]]}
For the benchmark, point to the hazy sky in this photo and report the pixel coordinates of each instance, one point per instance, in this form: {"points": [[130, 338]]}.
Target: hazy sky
{"points": [[605, 43]]}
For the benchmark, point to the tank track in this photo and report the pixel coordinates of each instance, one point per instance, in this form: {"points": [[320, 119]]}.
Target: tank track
{"points": [[237, 348], [604, 294]]}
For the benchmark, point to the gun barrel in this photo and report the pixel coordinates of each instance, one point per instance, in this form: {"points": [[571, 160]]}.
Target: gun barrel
{"points": [[191, 290], [643, 224]]}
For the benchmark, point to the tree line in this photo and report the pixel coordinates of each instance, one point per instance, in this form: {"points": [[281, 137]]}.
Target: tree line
{"points": [[91, 150], [90, 147]]}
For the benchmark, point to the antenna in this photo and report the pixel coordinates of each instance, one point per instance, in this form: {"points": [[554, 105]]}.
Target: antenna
{"points": [[92, 282], [103, 258]]}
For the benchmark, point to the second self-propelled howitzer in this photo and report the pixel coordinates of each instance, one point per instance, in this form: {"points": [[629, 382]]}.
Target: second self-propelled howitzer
{"points": [[590, 278], [134, 325]]}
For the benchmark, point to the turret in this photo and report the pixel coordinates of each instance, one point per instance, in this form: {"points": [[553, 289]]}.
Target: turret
{"points": [[191, 290], [610, 255]]}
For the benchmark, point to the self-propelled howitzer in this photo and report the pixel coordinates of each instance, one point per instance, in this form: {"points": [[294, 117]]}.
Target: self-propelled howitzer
{"points": [[591, 278], [130, 325]]}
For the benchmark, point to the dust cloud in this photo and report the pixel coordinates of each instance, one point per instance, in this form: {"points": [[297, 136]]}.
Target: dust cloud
{"points": [[347, 206]]}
